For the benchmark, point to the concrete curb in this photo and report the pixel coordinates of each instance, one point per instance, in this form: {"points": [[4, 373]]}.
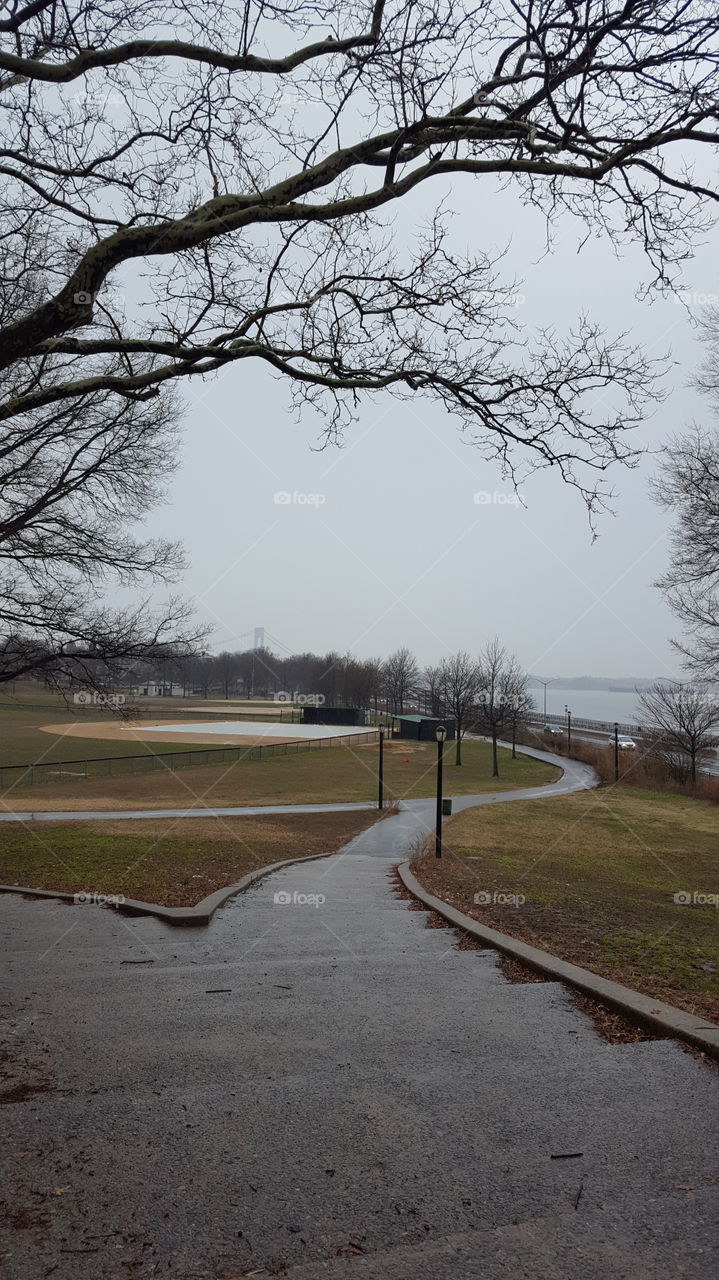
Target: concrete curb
{"points": [[201, 913], [659, 1017]]}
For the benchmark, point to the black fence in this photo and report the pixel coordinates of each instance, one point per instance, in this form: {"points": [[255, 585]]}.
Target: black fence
{"points": [[22, 775]]}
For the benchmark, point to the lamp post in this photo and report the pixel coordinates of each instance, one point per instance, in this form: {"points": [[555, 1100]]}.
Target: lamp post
{"points": [[440, 734], [569, 727], [616, 752], [380, 773]]}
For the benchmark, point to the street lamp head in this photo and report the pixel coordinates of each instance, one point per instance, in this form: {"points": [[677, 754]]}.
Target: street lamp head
{"points": [[440, 732]]}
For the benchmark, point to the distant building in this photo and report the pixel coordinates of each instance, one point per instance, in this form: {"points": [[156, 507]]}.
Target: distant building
{"points": [[421, 728], [333, 715], [157, 689]]}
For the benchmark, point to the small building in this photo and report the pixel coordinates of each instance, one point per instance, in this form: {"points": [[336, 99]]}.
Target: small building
{"points": [[333, 715], [421, 728], [157, 689]]}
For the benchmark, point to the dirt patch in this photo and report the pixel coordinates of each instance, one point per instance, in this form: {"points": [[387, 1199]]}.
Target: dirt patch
{"points": [[28, 1219], [21, 1092], [116, 732]]}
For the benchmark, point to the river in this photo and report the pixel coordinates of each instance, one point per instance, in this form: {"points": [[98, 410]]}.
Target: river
{"points": [[589, 704]]}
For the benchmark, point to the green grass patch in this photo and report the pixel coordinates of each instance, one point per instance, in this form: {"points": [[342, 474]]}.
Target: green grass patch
{"points": [[327, 774]]}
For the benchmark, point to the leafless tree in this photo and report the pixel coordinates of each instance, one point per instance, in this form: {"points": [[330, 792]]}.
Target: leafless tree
{"points": [[360, 680], [433, 687], [460, 683], [227, 669], [500, 684], [400, 677], [521, 703], [688, 485], [185, 187], [681, 724]]}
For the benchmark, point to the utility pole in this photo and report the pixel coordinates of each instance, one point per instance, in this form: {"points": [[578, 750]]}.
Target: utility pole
{"points": [[545, 683]]}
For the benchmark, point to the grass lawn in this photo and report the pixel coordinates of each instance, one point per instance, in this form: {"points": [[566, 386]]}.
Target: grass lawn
{"points": [[333, 773], [173, 863], [599, 871]]}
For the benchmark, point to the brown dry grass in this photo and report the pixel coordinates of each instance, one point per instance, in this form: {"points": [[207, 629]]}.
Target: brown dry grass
{"points": [[323, 775], [637, 768], [173, 862], [612, 1026], [599, 871]]}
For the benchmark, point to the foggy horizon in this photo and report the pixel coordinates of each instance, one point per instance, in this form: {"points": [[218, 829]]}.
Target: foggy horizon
{"points": [[405, 535]]}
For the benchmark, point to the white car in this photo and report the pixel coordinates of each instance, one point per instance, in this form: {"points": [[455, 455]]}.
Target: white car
{"points": [[625, 744]]}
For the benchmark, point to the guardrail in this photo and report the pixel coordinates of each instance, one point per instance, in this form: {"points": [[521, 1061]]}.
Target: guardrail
{"points": [[578, 722], [116, 766]]}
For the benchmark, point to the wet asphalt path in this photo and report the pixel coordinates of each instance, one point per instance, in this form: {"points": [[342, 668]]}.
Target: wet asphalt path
{"points": [[317, 1085]]}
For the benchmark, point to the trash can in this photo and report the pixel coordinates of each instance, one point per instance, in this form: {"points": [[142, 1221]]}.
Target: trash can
{"points": [[446, 807]]}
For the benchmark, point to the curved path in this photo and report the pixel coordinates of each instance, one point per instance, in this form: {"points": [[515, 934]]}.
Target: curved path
{"points": [[318, 1086], [575, 777]]}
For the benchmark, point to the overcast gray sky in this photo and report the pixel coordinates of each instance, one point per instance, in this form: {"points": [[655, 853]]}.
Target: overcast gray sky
{"points": [[386, 545]]}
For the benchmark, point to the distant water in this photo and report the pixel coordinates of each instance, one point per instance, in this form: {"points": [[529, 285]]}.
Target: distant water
{"points": [[589, 704]]}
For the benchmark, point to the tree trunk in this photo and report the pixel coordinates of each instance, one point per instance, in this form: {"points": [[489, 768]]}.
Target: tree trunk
{"points": [[458, 749], [495, 761]]}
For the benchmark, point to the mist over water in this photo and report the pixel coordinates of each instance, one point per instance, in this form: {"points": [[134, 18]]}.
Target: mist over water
{"points": [[590, 704]]}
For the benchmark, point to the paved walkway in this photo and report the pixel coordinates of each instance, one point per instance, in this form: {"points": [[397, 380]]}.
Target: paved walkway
{"points": [[318, 1086]]}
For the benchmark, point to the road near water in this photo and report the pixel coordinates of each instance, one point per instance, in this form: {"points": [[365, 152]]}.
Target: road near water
{"points": [[317, 1085]]}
